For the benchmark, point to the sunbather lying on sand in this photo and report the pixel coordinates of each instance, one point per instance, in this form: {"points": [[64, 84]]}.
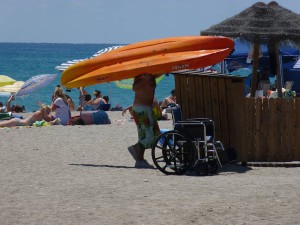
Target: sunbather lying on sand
{"points": [[42, 114], [91, 117]]}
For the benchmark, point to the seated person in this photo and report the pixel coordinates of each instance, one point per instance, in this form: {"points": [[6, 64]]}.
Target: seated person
{"points": [[105, 107], [169, 100], [264, 82], [98, 101], [2, 108], [60, 107], [82, 93], [14, 108], [85, 105], [6, 111], [56, 88], [71, 103], [106, 98], [42, 114]]}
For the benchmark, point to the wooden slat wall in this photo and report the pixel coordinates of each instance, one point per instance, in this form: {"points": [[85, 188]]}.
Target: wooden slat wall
{"points": [[259, 129], [217, 97], [297, 129], [192, 97], [236, 115], [272, 133], [271, 129], [207, 97], [249, 123], [224, 127], [265, 131], [276, 131]]}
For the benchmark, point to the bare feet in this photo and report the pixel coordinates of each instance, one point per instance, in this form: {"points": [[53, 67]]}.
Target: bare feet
{"points": [[143, 165], [137, 152], [133, 151]]}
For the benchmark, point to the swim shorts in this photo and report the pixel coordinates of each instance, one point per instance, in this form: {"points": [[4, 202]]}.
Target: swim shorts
{"points": [[100, 117], [147, 126]]}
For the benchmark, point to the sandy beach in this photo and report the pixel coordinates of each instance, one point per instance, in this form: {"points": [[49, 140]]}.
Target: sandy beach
{"points": [[85, 175]]}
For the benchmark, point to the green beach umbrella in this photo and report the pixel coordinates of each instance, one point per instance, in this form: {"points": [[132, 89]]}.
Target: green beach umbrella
{"points": [[12, 88], [127, 84], [5, 80]]}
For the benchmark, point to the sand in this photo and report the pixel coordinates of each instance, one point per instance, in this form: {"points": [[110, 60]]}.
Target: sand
{"points": [[85, 175]]}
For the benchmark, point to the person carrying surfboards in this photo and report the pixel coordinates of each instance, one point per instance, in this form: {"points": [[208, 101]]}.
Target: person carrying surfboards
{"points": [[148, 130]]}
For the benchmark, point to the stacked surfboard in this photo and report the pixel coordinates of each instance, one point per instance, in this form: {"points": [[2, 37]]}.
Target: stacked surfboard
{"points": [[154, 57]]}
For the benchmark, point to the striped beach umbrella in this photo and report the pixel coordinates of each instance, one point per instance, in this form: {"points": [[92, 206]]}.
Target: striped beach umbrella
{"points": [[62, 67]]}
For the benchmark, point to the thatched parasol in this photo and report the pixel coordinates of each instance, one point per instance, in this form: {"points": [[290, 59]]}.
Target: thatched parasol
{"points": [[261, 24]]}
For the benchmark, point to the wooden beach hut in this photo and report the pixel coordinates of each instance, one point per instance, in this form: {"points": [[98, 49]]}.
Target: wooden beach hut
{"points": [[261, 130]]}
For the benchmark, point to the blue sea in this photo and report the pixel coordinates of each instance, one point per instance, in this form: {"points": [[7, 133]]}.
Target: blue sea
{"points": [[21, 61]]}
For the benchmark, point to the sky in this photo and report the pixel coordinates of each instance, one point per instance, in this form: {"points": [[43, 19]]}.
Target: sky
{"points": [[114, 21]]}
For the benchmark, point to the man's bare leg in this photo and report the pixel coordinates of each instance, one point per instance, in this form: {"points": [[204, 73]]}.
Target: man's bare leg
{"points": [[141, 152], [134, 151]]}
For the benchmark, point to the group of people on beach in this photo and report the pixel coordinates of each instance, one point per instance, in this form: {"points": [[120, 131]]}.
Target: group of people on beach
{"points": [[59, 106], [11, 108], [145, 111], [62, 105], [92, 109]]}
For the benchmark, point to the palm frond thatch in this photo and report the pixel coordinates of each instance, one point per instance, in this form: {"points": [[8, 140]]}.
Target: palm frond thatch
{"points": [[263, 23]]}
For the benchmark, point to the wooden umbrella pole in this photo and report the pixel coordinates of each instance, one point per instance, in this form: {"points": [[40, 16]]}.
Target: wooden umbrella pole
{"points": [[278, 71], [255, 67]]}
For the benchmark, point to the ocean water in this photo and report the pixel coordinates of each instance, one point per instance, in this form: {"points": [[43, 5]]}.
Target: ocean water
{"points": [[22, 61]]}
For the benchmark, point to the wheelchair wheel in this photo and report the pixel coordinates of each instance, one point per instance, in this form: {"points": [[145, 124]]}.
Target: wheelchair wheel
{"points": [[202, 169], [173, 153]]}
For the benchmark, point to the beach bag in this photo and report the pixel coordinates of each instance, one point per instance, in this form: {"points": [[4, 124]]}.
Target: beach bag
{"points": [[5, 116]]}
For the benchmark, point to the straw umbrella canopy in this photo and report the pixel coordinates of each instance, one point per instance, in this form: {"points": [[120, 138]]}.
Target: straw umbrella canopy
{"points": [[262, 23]]}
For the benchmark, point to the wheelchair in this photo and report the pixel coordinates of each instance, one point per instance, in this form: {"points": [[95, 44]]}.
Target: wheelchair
{"points": [[190, 146]]}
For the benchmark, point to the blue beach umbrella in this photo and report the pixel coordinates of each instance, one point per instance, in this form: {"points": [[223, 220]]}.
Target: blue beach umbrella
{"points": [[35, 83]]}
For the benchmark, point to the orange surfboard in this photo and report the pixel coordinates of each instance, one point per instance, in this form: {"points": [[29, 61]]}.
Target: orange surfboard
{"points": [[154, 57]]}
